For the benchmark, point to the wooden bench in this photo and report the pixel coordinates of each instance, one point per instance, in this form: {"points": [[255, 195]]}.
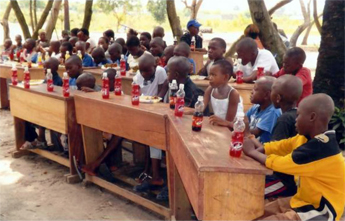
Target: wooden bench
{"points": [[50, 110]]}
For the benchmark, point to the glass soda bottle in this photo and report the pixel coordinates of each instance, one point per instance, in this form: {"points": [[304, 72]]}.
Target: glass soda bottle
{"points": [[198, 115], [172, 95], [123, 66], [50, 85], [14, 77], [260, 72], [237, 136], [39, 60], [239, 73], [46, 56], [105, 86], [192, 44], [118, 85], [22, 57], [179, 105], [135, 94], [26, 78], [65, 85], [80, 55], [67, 55]]}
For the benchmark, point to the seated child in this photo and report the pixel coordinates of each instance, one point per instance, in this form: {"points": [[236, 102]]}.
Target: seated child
{"points": [[313, 157], [122, 42], [73, 41], [110, 35], [7, 53], [54, 49], [145, 39], [167, 54], [135, 51], [87, 59], [103, 43], [29, 52], [74, 68], [216, 50], [66, 46], [53, 65], [157, 49], [225, 100], [158, 31], [99, 58], [183, 49], [87, 82], [293, 64], [262, 116], [115, 52], [42, 41]]}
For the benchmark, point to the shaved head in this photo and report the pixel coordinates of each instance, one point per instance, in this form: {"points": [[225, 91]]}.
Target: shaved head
{"points": [[157, 40], [86, 80], [158, 31], [182, 49], [180, 65], [321, 104], [266, 82], [247, 44], [247, 50], [289, 87], [115, 47], [74, 59], [73, 40], [147, 60]]}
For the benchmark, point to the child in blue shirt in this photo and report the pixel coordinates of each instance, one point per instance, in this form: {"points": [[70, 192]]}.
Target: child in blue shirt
{"points": [[74, 69], [263, 115], [99, 58], [87, 59], [29, 52], [182, 49]]}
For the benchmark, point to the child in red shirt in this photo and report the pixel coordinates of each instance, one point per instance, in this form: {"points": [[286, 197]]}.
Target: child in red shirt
{"points": [[293, 64]]}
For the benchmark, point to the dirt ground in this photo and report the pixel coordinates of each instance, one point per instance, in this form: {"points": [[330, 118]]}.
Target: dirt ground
{"points": [[33, 188]]}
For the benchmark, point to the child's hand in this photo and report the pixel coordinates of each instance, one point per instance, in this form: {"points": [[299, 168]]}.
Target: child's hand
{"points": [[267, 73], [188, 111], [247, 130], [87, 89], [214, 120], [248, 146]]}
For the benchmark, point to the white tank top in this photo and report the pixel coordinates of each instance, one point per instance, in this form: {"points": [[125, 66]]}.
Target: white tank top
{"points": [[220, 106]]}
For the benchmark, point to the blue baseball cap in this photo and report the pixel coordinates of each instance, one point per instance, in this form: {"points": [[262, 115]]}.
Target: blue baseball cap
{"points": [[194, 23]]}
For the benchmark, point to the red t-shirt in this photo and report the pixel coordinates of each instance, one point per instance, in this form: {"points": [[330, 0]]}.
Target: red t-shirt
{"points": [[305, 76]]}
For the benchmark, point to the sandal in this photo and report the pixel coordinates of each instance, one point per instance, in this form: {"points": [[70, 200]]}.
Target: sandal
{"points": [[27, 146], [142, 177]]}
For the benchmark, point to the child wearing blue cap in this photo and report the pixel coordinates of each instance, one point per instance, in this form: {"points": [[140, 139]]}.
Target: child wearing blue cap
{"points": [[193, 31]]}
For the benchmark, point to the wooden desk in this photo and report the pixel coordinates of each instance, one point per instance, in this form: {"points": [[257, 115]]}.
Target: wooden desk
{"points": [[50, 110], [198, 57], [218, 187], [145, 123]]}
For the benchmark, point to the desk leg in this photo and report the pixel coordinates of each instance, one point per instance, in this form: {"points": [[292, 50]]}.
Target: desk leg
{"points": [[93, 143], [19, 133], [75, 146], [4, 102]]}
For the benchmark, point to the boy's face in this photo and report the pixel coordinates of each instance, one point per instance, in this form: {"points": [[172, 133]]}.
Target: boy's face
{"points": [[291, 65], [103, 43], [275, 96], [81, 36], [217, 78], [215, 51], [49, 65], [98, 58], [134, 50], [246, 56], [193, 30], [303, 120], [7, 44], [19, 40], [63, 50], [79, 47], [28, 45], [155, 49], [167, 55], [259, 94], [179, 52], [172, 73], [42, 36], [147, 70], [73, 70], [144, 41], [115, 55]]}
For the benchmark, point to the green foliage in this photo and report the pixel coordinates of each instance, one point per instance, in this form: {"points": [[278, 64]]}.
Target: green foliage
{"points": [[337, 123], [115, 5], [157, 8]]}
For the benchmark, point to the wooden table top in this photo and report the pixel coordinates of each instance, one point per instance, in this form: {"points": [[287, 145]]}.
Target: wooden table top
{"points": [[244, 86], [209, 148], [99, 71]]}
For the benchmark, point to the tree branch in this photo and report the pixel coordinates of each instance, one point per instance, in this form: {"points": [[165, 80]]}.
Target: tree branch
{"points": [[35, 13], [316, 19], [304, 11], [21, 19], [31, 17], [186, 4], [278, 5], [43, 18], [4, 22]]}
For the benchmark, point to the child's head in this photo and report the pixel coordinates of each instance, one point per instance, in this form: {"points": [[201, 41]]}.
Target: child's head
{"points": [[131, 32], [286, 90], [115, 51], [111, 76], [247, 50], [220, 73], [80, 46], [98, 55], [42, 35], [252, 31], [65, 33], [29, 44], [182, 49], [52, 64], [178, 68], [73, 40], [261, 93], [83, 34], [216, 48], [193, 27], [54, 47], [109, 34], [157, 46], [86, 80], [74, 32], [158, 31], [313, 114], [8, 43], [147, 66], [293, 60], [73, 66], [104, 42], [66, 46], [122, 42], [133, 46], [145, 39], [18, 39], [168, 53]]}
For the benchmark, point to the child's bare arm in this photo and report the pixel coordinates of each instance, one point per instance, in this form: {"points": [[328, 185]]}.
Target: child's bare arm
{"points": [[249, 150], [250, 78], [207, 96], [234, 99], [256, 131], [160, 87], [164, 89]]}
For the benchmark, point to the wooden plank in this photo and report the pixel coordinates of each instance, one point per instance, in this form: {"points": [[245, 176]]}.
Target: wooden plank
{"points": [[51, 156], [198, 58], [129, 195], [233, 196], [19, 132], [35, 72], [4, 102], [39, 109], [93, 143]]}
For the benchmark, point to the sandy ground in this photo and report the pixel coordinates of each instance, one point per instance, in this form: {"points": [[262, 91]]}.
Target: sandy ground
{"points": [[33, 188]]}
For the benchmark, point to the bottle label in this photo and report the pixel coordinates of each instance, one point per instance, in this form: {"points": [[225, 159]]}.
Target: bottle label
{"points": [[237, 137], [197, 121]]}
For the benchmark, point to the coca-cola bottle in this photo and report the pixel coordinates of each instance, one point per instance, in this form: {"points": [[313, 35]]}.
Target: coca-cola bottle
{"points": [[172, 94], [239, 72], [65, 85], [14, 77], [198, 115], [105, 86], [135, 94], [192, 44], [179, 105], [26, 78], [50, 85], [118, 85], [123, 65], [39, 60], [237, 136], [260, 72]]}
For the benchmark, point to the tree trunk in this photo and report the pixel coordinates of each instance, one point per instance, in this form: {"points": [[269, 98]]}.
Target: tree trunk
{"points": [[87, 14], [35, 13], [54, 14], [300, 28], [329, 76], [278, 6], [316, 19], [4, 22], [21, 19], [195, 8], [31, 17], [174, 20], [43, 18], [268, 34], [66, 16]]}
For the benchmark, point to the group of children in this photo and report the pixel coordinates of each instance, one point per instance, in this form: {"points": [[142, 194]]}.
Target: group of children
{"points": [[307, 162]]}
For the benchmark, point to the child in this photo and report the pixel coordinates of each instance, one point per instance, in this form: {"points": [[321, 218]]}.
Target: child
{"points": [[66, 46], [193, 31], [182, 49], [73, 67], [87, 59], [110, 35], [135, 51], [115, 51], [104, 43], [53, 65], [157, 49], [43, 41], [216, 49], [90, 44], [262, 116], [19, 47], [74, 32], [158, 31], [99, 58], [293, 64], [65, 34], [145, 39], [167, 54], [122, 42], [73, 41], [314, 158], [7, 53], [87, 82], [29, 52], [54, 48], [225, 100]]}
